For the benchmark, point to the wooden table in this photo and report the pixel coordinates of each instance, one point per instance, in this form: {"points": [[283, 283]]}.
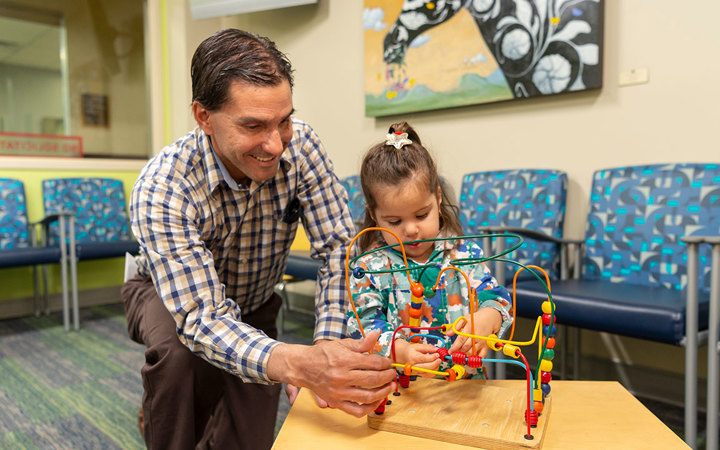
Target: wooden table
{"points": [[585, 415]]}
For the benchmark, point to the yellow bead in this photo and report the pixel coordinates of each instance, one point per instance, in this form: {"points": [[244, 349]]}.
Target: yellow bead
{"points": [[546, 307], [492, 342], [537, 395], [511, 350], [546, 366], [459, 370]]}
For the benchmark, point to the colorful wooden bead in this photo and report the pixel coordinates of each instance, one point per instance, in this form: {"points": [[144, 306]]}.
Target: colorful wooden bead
{"points": [[545, 377], [546, 307], [492, 342], [407, 369], [548, 354], [474, 361], [511, 350], [546, 366], [417, 289], [358, 272], [538, 406], [450, 375], [545, 389], [459, 370], [546, 319], [550, 342], [537, 395], [547, 331]]}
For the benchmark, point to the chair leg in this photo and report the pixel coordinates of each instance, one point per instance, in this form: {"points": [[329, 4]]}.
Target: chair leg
{"points": [[713, 378], [73, 274], [63, 272], [577, 352], [617, 360], [46, 294], [691, 345], [36, 288]]}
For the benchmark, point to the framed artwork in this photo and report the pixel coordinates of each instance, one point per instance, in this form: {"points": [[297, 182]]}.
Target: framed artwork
{"points": [[424, 55]]}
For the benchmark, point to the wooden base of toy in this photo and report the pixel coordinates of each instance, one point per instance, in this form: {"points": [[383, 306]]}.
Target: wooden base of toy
{"points": [[487, 414]]}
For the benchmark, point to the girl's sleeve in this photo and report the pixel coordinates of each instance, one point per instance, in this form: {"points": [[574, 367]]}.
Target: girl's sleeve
{"points": [[489, 292], [371, 304]]}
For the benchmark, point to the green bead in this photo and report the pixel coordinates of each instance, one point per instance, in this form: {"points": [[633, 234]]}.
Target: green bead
{"points": [[548, 354]]}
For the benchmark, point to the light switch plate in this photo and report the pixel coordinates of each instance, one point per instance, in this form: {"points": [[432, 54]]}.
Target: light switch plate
{"points": [[634, 76]]}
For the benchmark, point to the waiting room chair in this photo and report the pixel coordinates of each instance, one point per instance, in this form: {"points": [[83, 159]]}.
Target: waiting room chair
{"points": [[19, 246], [519, 199], [356, 199], [99, 225], [639, 277]]}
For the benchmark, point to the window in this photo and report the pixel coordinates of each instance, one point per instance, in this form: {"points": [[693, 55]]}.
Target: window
{"points": [[76, 68]]}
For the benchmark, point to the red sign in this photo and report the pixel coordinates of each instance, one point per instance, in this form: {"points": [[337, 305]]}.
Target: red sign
{"points": [[28, 144]]}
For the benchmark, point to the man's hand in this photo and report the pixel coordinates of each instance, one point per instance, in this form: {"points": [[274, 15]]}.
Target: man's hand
{"points": [[339, 372]]}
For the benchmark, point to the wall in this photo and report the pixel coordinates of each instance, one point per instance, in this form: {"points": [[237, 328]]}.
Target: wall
{"points": [[671, 118]]}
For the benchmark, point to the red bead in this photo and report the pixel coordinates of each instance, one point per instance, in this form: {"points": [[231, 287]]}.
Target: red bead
{"points": [[546, 319], [545, 377], [474, 361], [381, 408], [443, 352], [404, 380], [459, 358], [531, 418]]}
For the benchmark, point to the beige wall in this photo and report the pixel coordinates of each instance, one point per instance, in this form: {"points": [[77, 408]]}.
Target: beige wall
{"points": [[673, 118]]}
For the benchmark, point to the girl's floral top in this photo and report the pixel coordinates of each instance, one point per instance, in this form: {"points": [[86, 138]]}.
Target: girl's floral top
{"points": [[383, 300]]}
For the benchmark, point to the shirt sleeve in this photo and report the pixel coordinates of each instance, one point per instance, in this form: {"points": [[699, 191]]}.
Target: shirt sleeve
{"points": [[182, 269], [489, 292], [372, 308], [328, 223]]}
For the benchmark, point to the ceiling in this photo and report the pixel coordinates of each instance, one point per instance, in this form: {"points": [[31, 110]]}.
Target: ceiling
{"points": [[29, 44]]}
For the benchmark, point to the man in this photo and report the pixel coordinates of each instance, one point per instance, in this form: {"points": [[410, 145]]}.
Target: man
{"points": [[215, 213]]}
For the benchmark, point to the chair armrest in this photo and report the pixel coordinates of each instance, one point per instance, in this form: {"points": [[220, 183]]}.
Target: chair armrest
{"points": [[713, 240]]}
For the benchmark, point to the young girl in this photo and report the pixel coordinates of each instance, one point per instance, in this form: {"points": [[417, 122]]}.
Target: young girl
{"points": [[403, 193]]}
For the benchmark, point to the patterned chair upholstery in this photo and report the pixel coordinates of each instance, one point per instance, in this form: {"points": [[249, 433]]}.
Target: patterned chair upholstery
{"points": [[356, 199], [635, 278], [17, 239], [99, 220], [532, 199]]}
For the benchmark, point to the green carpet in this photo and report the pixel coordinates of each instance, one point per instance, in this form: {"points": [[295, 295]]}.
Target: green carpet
{"points": [[70, 390], [82, 389]]}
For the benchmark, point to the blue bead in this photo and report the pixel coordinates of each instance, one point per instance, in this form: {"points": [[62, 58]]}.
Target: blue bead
{"points": [[545, 389], [358, 272], [552, 332]]}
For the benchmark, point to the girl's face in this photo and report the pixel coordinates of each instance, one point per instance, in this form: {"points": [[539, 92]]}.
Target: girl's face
{"points": [[412, 212]]}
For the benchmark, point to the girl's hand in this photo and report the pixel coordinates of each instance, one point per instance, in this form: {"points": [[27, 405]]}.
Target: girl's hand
{"points": [[487, 321], [419, 355]]}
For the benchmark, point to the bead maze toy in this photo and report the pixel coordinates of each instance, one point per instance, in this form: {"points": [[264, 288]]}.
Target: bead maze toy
{"points": [[480, 413]]}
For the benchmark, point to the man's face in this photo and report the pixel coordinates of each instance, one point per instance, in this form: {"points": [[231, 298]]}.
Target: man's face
{"points": [[251, 130]]}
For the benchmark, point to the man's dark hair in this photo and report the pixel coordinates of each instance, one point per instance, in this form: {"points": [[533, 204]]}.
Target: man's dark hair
{"points": [[235, 55]]}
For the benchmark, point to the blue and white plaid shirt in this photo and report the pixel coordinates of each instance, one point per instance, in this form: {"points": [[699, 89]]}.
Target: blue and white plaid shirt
{"points": [[216, 249]]}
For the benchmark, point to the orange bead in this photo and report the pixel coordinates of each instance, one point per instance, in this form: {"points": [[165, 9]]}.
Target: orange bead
{"points": [[451, 375], [415, 313], [550, 343], [538, 406], [417, 290], [407, 369]]}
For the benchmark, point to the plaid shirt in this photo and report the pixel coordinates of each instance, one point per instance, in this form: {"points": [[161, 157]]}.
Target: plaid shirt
{"points": [[216, 249]]}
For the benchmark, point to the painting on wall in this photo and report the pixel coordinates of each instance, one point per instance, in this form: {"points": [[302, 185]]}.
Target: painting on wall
{"points": [[424, 55]]}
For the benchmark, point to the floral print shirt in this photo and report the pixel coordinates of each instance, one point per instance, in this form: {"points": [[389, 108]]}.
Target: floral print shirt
{"points": [[383, 300]]}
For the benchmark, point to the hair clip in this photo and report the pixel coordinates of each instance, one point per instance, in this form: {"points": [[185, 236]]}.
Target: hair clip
{"points": [[397, 139]]}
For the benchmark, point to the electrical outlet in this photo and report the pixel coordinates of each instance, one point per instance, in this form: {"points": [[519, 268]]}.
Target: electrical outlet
{"points": [[634, 76]]}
